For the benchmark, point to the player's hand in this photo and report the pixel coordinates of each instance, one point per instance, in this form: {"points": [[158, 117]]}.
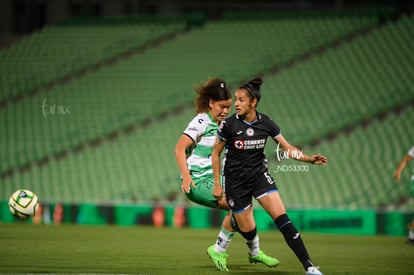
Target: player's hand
{"points": [[319, 159], [218, 192], [186, 184], [397, 175]]}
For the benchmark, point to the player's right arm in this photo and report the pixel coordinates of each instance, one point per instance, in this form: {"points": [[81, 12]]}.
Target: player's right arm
{"points": [[217, 149], [180, 148]]}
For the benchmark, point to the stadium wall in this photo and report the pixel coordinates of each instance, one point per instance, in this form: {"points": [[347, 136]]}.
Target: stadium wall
{"points": [[331, 221]]}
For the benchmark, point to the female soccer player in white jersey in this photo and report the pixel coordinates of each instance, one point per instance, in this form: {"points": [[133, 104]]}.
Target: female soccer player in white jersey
{"points": [[246, 175], [397, 175], [212, 106]]}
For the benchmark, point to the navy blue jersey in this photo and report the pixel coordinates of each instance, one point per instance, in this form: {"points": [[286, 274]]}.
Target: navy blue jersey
{"points": [[245, 143]]}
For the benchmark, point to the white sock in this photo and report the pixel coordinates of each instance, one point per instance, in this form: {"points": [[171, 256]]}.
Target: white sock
{"points": [[223, 240], [411, 234], [253, 246]]}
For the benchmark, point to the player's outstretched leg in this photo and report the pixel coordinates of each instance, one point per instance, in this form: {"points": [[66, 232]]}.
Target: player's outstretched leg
{"points": [[294, 241]]}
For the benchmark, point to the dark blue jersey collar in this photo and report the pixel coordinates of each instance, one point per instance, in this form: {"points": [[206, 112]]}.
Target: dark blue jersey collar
{"points": [[258, 117]]}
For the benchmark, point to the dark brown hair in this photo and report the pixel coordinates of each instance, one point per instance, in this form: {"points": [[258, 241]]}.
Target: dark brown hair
{"points": [[214, 89], [253, 87]]}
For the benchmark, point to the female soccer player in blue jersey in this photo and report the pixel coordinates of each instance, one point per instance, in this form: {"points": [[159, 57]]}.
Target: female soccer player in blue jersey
{"points": [[246, 175], [212, 106]]}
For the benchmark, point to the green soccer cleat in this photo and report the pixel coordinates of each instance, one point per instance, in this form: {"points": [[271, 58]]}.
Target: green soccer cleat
{"points": [[218, 258], [263, 258]]}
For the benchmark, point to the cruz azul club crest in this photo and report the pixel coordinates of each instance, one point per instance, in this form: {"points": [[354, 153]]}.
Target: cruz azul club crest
{"points": [[242, 144]]}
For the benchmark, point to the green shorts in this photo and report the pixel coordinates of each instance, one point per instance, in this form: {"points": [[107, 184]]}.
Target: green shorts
{"points": [[203, 192]]}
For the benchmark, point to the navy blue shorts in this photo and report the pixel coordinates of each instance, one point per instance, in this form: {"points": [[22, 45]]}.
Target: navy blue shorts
{"points": [[239, 192]]}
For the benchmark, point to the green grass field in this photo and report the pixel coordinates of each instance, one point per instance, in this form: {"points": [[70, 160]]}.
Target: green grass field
{"points": [[27, 248]]}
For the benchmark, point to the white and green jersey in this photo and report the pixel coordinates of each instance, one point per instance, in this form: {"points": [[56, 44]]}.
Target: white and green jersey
{"points": [[202, 130], [411, 154]]}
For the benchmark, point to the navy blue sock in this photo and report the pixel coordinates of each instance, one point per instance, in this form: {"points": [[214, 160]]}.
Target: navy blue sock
{"points": [[293, 239]]}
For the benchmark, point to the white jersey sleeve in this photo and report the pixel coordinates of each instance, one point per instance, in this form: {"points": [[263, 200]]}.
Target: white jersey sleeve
{"points": [[411, 152], [196, 127]]}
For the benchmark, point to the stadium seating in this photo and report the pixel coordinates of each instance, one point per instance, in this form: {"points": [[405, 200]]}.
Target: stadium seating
{"points": [[57, 51], [154, 82], [357, 80], [340, 87]]}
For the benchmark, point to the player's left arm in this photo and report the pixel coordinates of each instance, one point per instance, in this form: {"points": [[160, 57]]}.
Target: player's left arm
{"points": [[296, 154]]}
